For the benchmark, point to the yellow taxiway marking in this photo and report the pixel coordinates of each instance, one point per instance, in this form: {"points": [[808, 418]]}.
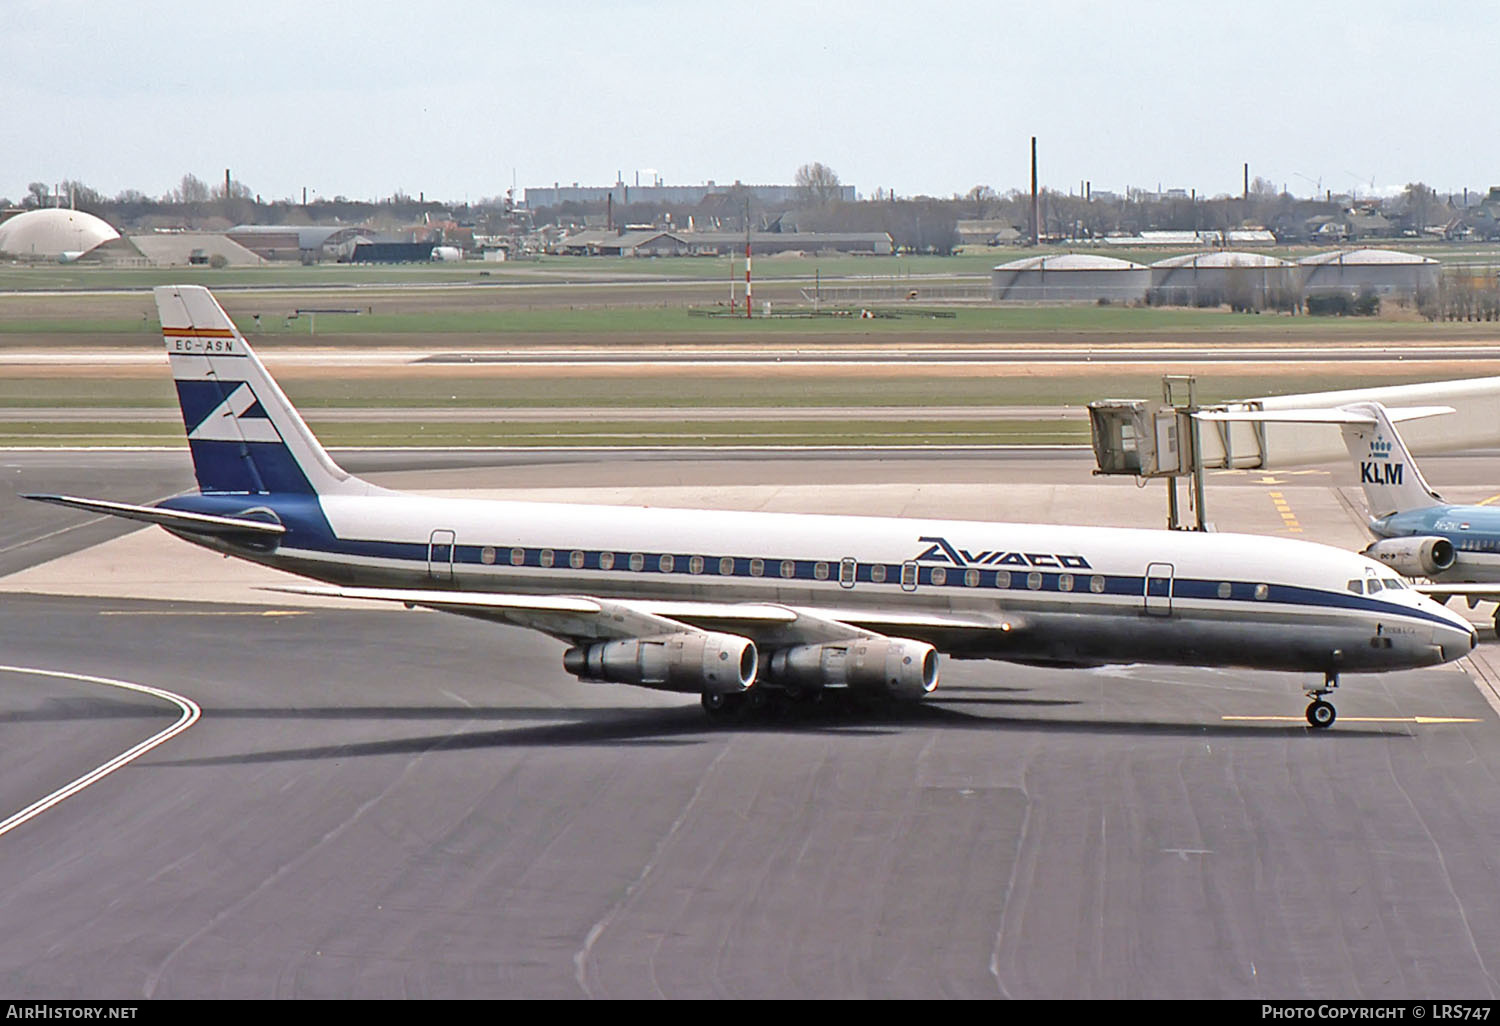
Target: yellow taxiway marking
{"points": [[1289, 519], [1423, 720], [1486, 502]]}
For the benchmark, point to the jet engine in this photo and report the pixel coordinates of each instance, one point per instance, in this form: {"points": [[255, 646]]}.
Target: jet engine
{"points": [[699, 662], [898, 667], [1414, 557]]}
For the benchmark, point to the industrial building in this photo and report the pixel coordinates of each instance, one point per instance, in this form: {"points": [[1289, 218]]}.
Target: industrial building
{"points": [[658, 242], [1244, 280], [1385, 272], [678, 195], [1070, 278], [53, 233]]}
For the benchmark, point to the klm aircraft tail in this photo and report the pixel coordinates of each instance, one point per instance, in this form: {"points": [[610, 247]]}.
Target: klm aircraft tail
{"points": [[1387, 473], [244, 434], [1389, 476]]}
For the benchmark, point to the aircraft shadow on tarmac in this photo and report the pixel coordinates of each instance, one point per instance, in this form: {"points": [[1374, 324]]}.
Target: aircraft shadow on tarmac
{"points": [[687, 726]]}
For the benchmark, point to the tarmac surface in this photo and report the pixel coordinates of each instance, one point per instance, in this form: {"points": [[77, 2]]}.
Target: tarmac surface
{"points": [[380, 803]]}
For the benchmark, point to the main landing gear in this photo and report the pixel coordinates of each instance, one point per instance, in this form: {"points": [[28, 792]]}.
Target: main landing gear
{"points": [[1321, 714], [761, 702]]}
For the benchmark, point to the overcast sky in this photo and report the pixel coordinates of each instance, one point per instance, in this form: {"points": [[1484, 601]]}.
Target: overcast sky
{"points": [[459, 99]]}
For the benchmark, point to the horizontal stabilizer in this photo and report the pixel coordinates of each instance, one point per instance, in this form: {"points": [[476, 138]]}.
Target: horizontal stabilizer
{"points": [[1337, 415], [196, 523], [1460, 588]]}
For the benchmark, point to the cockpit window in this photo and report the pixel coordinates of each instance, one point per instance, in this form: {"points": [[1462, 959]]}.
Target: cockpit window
{"points": [[1356, 586], [1393, 584], [1374, 585]]}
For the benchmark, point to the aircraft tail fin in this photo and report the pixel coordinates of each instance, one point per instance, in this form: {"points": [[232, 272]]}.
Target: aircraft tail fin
{"points": [[244, 433], [1389, 476]]}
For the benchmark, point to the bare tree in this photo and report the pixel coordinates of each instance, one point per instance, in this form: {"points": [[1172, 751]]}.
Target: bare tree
{"points": [[37, 194], [1420, 201], [818, 184], [191, 189], [981, 201], [79, 195]]}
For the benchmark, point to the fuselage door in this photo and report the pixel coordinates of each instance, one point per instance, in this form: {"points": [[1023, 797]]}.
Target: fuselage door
{"points": [[440, 548], [1158, 591], [848, 570]]}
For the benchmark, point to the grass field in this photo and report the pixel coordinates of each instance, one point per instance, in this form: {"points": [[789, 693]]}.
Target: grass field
{"points": [[565, 268], [593, 305]]}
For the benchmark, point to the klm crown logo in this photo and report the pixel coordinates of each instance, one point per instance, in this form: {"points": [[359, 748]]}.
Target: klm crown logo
{"points": [[1380, 448]]}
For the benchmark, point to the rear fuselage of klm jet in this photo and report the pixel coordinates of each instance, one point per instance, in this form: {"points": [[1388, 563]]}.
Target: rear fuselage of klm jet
{"points": [[1473, 531]]}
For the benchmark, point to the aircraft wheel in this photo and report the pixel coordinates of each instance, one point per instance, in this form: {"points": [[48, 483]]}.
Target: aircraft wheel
{"points": [[721, 708], [1321, 714]]}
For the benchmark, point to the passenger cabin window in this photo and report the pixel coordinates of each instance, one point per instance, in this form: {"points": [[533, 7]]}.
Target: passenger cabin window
{"points": [[726, 566], [665, 564], [939, 575], [695, 565], [757, 567], [546, 557], [1002, 578], [788, 568], [1225, 589], [1096, 584], [971, 578], [877, 573], [1262, 592], [1064, 582], [1034, 581], [637, 561], [517, 557], [575, 559], [820, 571], [606, 561]]}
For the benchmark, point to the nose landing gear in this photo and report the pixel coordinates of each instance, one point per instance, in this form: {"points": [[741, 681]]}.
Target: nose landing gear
{"points": [[1321, 714]]}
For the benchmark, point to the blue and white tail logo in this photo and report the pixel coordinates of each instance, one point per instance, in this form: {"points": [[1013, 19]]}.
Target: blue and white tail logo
{"points": [[238, 417], [1391, 481], [244, 434]]}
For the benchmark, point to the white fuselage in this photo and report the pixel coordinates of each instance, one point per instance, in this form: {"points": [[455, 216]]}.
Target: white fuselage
{"points": [[1054, 594]]}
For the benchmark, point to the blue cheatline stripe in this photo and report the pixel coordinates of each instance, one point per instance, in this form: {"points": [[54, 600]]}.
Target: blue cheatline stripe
{"points": [[676, 564], [308, 530]]}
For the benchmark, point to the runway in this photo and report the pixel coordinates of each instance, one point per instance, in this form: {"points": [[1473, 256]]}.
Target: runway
{"points": [[404, 804]]}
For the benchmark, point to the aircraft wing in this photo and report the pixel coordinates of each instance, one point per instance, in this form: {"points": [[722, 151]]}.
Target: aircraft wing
{"points": [[1336, 415], [577, 618], [195, 523]]}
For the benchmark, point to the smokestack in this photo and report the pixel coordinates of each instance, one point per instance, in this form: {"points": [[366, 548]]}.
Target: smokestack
{"points": [[1036, 230], [227, 193], [1247, 180]]}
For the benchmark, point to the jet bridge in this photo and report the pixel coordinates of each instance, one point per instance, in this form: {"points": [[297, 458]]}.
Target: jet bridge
{"points": [[1151, 440], [1158, 440]]}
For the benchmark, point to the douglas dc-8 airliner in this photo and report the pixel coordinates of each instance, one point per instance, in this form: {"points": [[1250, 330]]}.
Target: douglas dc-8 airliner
{"points": [[738, 606]]}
